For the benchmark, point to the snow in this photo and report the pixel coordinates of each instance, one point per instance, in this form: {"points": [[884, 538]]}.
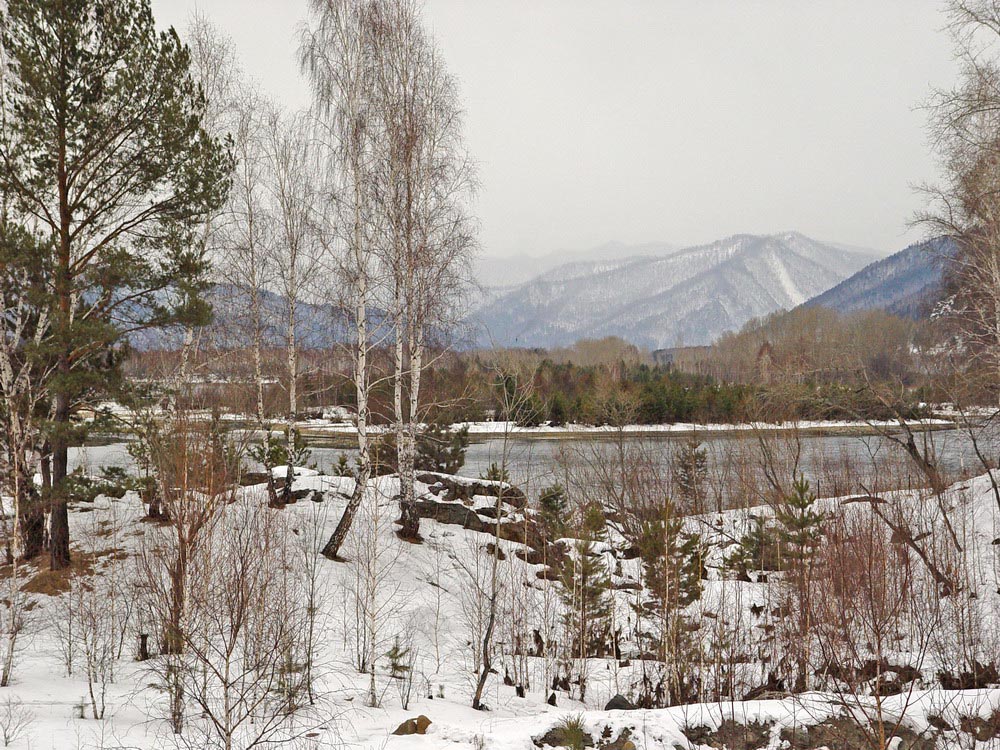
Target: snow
{"points": [[501, 428], [417, 573], [693, 295]]}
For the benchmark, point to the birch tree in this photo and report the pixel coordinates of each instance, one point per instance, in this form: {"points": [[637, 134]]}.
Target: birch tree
{"points": [[336, 55], [424, 180], [24, 373], [291, 155], [965, 204], [247, 253]]}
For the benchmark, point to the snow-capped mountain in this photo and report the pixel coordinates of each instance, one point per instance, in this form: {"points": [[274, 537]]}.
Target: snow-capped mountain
{"points": [[688, 297], [504, 273], [906, 283]]}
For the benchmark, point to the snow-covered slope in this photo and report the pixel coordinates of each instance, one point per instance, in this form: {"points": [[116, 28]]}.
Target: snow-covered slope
{"points": [[690, 296], [507, 272], [427, 593], [905, 283]]}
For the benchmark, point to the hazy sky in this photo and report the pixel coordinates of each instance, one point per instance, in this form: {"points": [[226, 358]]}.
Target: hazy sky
{"points": [[676, 121]]}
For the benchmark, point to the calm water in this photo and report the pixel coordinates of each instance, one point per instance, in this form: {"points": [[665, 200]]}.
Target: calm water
{"points": [[538, 462]]}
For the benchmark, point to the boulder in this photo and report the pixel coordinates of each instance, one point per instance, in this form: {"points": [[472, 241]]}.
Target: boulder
{"points": [[407, 727], [620, 703], [524, 531], [465, 488], [413, 726]]}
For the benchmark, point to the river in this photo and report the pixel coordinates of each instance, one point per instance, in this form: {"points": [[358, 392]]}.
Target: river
{"points": [[834, 464]]}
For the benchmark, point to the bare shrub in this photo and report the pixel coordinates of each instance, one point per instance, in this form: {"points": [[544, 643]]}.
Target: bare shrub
{"points": [[15, 718], [15, 619], [869, 605], [242, 659], [372, 592]]}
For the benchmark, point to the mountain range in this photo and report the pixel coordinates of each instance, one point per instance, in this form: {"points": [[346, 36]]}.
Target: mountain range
{"points": [[906, 283], [653, 295], [669, 298]]}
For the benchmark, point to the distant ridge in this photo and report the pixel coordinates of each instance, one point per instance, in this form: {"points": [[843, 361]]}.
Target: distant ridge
{"points": [[906, 283], [684, 297]]}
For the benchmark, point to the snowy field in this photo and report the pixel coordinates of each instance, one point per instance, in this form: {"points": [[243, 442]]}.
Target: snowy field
{"points": [[424, 595]]}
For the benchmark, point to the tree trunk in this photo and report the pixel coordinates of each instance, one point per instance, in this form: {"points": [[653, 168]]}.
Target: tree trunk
{"points": [[59, 518], [408, 504], [332, 548], [409, 520], [59, 557], [30, 524], [487, 661]]}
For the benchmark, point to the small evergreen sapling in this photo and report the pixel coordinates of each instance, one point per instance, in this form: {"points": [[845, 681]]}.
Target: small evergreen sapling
{"points": [[801, 525], [552, 506], [691, 472], [442, 450], [496, 473]]}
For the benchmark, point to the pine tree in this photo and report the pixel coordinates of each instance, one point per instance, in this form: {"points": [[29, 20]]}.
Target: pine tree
{"points": [[442, 450], [800, 532], [757, 550], [496, 473], [801, 525], [584, 586], [691, 472], [399, 660], [552, 506], [103, 149], [673, 562]]}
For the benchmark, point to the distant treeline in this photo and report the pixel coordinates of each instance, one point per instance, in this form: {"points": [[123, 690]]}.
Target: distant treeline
{"points": [[775, 373]]}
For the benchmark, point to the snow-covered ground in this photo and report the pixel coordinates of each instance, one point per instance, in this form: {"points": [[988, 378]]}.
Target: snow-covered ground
{"points": [[680, 428], [426, 598]]}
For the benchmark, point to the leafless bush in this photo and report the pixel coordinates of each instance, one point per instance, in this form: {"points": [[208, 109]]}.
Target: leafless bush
{"points": [[15, 718], [314, 588], [373, 593], [241, 659], [15, 619], [92, 634], [869, 605], [196, 480]]}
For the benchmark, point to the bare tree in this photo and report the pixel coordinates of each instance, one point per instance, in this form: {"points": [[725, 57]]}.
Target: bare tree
{"points": [[195, 477], [423, 181], [291, 153], [336, 54], [373, 592], [24, 325], [15, 719], [243, 663], [965, 204], [867, 607]]}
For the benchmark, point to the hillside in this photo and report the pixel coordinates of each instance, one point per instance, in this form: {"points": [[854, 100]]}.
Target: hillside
{"points": [[687, 297], [430, 597], [905, 283]]}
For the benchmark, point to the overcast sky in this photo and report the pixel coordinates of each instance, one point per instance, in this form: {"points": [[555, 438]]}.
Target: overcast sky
{"points": [[676, 121]]}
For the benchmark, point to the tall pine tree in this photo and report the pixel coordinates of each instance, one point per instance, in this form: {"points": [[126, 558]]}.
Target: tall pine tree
{"points": [[103, 153]]}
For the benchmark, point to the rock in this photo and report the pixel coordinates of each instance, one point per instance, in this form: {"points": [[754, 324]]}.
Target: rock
{"points": [[464, 488], [557, 737], [523, 532], [250, 478], [552, 699], [491, 512], [413, 726], [407, 727], [620, 703]]}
